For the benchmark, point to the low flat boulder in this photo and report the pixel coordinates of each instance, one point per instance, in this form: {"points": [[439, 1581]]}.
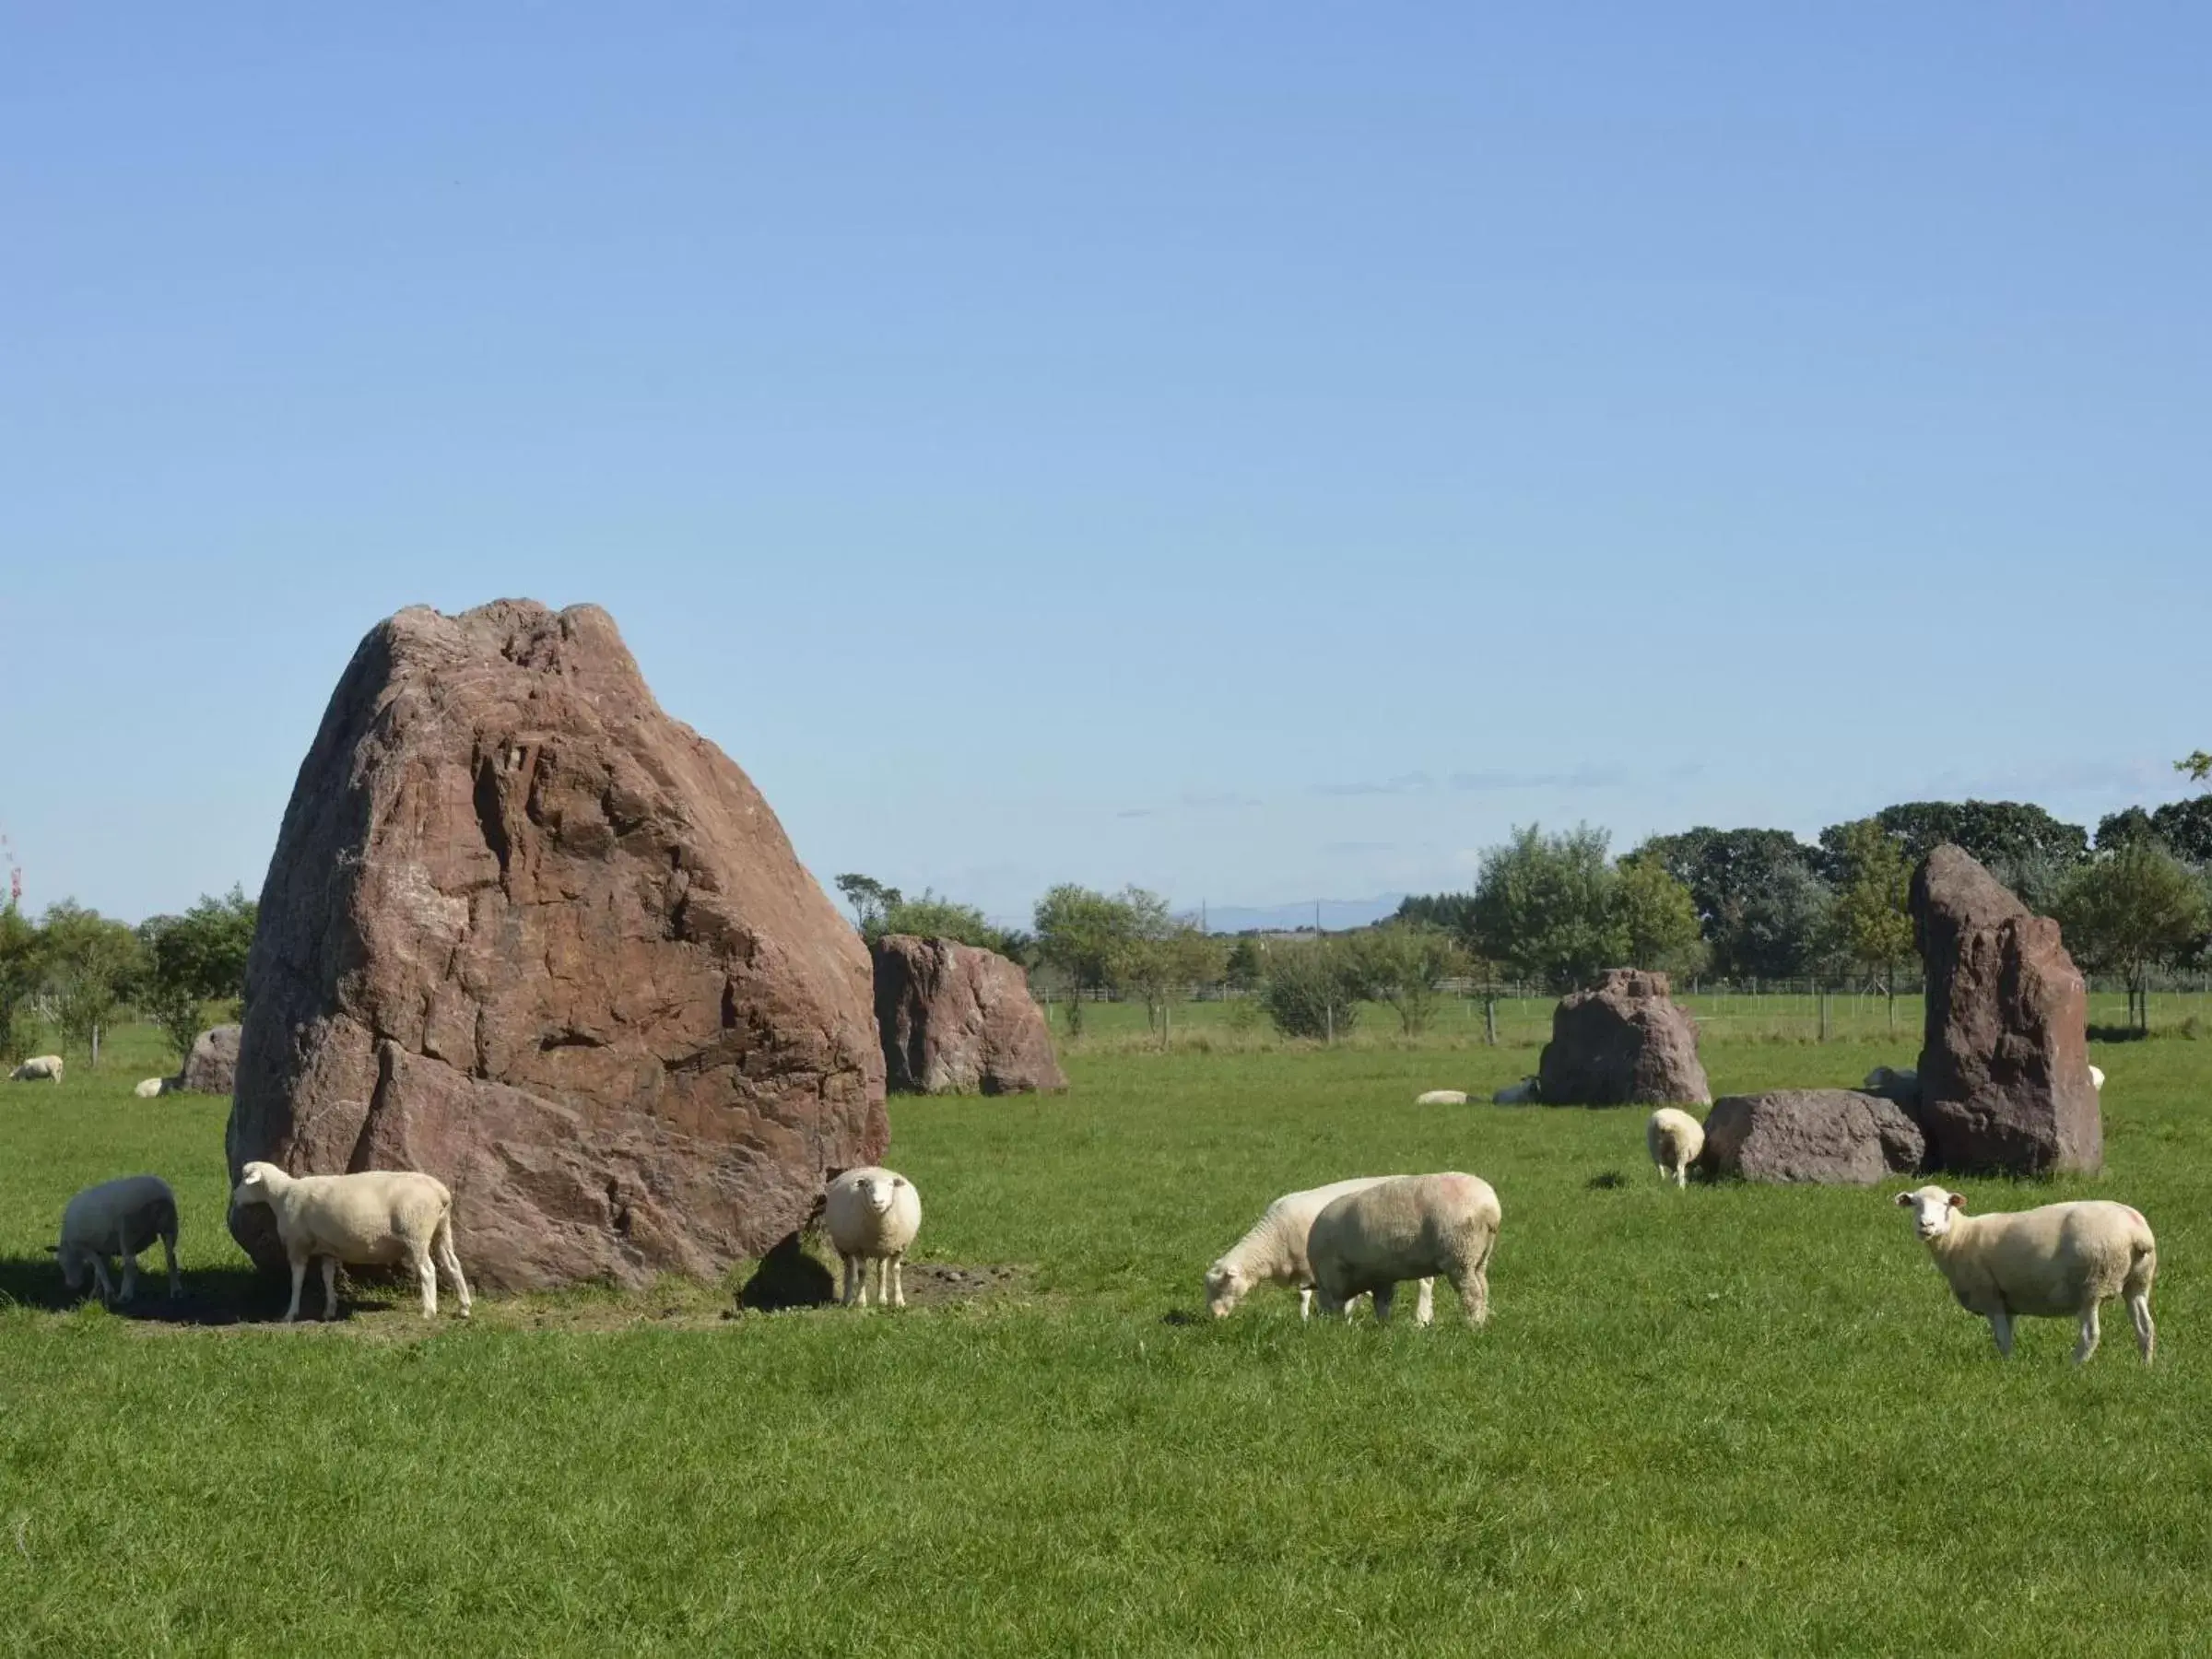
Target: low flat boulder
{"points": [[1622, 1043], [1826, 1136], [959, 1020], [212, 1066]]}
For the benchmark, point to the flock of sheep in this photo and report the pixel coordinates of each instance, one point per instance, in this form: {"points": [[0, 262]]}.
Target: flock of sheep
{"points": [[1368, 1234]]}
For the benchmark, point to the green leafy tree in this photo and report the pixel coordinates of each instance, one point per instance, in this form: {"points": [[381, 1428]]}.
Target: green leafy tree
{"points": [[1872, 917], [2020, 842], [2184, 828], [1313, 988], [22, 972], [1747, 888], [1544, 905], [869, 898], [1658, 919], [1400, 963], [2199, 766], [92, 964], [931, 917], [193, 960], [2131, 910], [1244, 968], [1082, 935], [1161, 962]]}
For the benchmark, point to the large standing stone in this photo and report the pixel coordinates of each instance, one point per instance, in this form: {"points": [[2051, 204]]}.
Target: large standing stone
{"points": [[1832, 1136], [212, 1066], [959, 1020], [1619, 1043], [526, 933], [2004, 1068]]}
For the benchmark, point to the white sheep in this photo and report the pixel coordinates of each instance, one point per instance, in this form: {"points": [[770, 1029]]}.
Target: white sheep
{"points": [[375, 1217], [38, 1068], [1674, 1139], [151, 1087], [1900, 1084], [1274, 1252], [873, 1216], [1522, 1093], [117, 1217], [1407, 1227], [1441, 1097], [2056, 1261], [2097, 1078]]}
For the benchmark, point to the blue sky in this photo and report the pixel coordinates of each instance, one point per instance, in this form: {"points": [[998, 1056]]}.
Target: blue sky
{"points": [[1256, 451]]}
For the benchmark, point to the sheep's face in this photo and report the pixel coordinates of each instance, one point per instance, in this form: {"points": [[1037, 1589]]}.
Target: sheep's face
{"points": [[1225, 1288], [76, 1266], [1932, 1210], [879, 1192], [252, 1186]]}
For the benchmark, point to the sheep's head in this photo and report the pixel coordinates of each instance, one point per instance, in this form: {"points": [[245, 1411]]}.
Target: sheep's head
{"points": [[1932, 1208], [880, 1191], [1225, 1287], [76, 1265], [253, 1183]]}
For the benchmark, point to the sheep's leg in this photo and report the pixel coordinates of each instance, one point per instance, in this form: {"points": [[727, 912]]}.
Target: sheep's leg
{"points": [[883, 1281], [330, 1286], [1474, 1288], [130, 1276], [1424, 1307], [299, 1283], [1385, 1296], [898, 1281], [1682, 1173], [425, 1274], [450, 1259], [2146, 1334], [2089, 1333], [169, 1252], [1305, 1302], [860, 1271], [2000, 1328], [99, 1280]]}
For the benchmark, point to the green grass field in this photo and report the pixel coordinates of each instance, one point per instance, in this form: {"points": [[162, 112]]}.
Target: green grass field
{"points": [[1727, 1420]]}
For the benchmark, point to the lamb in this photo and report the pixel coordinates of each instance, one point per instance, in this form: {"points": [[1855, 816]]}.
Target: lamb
{"points": [[375, 1217], [2057, 1260], [1522, 1093], [117, 1217], [1674, 1139], [1407, 1227], [36, 1068], [873, 1216], [1441, 1097], [1274, 1252]]}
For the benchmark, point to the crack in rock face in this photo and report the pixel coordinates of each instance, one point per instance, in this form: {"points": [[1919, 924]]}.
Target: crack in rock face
{"points": [[525, 932]]}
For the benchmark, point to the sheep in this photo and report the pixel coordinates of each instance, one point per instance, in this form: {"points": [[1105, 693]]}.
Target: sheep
{"points": [[1274, 1252], [36, 1068], [1674, 1139], [873, 1216], [1441, 1097], [117, 1217], [1900, 1084], [2097, 1078], [152, 1087], [1518, 1094], [1407, 1227], [373, 1218], [2051, 1262]]}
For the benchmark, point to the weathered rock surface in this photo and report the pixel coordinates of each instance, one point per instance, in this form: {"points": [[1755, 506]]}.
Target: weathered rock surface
{"points": [[959, 1020], [1620, 1043], [2003, 1068], [212, 1066], [525, 932], [1832, 1136]]}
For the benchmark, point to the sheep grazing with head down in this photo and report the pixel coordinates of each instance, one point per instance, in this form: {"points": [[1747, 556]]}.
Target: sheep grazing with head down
{"points": [[39, 1068], [1674, 1139], [1274, 1252], [2055, 1262], [375, 1217], [117, 1217], [1442, 1226], [873, 1216]]}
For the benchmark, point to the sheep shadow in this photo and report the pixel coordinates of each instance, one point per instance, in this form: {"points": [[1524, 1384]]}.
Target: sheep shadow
{"points": [[788, 1277], [212, 1296]]}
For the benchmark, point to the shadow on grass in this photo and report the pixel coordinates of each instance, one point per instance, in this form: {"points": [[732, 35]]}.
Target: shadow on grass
{"points": [[788, 1277], [1606, 1180], [213, 1296], [1183, 1316], [2119, 1033]]}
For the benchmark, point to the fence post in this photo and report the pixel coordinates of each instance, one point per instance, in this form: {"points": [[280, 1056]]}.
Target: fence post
{"points": [[1822, 992], [1489, 1018]]}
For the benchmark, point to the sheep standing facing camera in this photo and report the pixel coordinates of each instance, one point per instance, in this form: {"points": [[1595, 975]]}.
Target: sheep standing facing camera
{"points": [[873, 1216]]}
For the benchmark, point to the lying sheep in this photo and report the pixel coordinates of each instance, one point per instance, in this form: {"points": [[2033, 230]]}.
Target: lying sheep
{"points": [[1441, 1097], [376, 1217], [1522, 1093], [1274, 1252], [2056, 1261], [1900, 1084], [37, 1068], [151, 1087], [2097, 1078], [1674, 1139], [117, 1217], [1407, 1227], [873, 1216]]}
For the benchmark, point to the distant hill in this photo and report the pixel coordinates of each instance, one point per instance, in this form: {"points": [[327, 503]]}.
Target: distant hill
{"points": [[1336, 915]]}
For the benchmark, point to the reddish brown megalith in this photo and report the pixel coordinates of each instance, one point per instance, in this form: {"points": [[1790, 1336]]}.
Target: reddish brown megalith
{"points": [[1622, 1041], [526, 933], [958, 1020]]}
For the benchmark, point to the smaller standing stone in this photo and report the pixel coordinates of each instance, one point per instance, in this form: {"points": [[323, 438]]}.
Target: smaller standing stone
{"points": [[1829, 1136], [1622, 1043], [958, 1020], [212, 1066]]}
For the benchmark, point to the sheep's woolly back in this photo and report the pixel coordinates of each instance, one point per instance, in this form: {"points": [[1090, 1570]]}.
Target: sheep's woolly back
{"points": [[370, 1217], [2046, 1261], [114, 1213], [1274, 1250]]}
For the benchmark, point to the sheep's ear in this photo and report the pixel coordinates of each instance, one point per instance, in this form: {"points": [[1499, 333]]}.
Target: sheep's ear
{"points": [[1957, 1200], [54, 1250], [1904, 1201], [898, 1182]]}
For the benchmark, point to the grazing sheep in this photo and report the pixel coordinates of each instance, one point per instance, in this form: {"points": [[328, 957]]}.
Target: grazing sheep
{"points": [[1274, 1252], [2056, 1261], [376, 1217], [151, 1087], [1407, 1227], [2097, 1078], [1522, 1093], [1441, 1097], [1674, 1139], [117, 1217], [37, 1068], [873, 1216]]}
